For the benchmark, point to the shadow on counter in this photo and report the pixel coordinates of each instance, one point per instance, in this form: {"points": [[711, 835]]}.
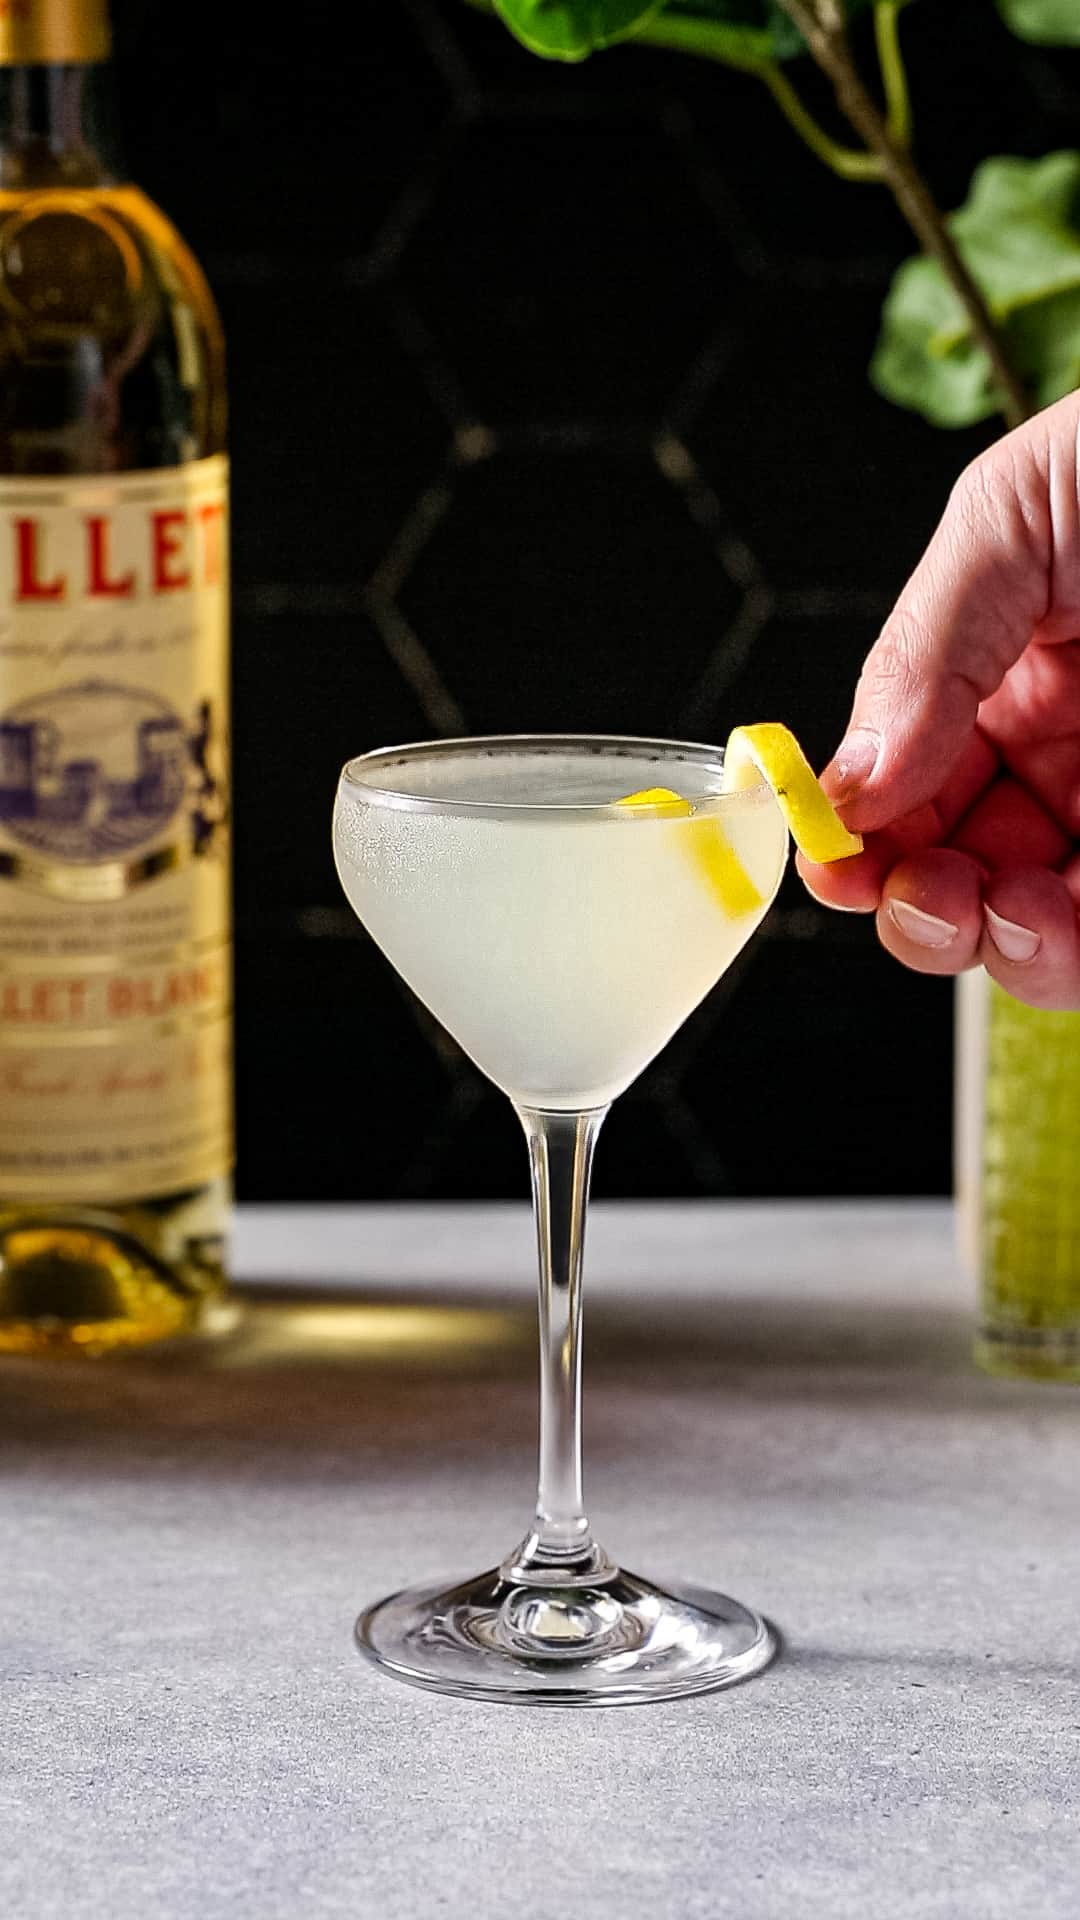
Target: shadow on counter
{"points": [[303, 1376]]}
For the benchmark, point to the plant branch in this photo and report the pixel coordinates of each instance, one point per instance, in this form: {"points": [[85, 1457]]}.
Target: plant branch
{"points": [[709, 39], [712, 40], [851, 163], [822, 27], [893, 75], [748, 51]]}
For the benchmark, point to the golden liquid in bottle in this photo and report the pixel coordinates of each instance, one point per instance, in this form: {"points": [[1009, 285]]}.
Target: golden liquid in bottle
{"points": [[111, 364]]}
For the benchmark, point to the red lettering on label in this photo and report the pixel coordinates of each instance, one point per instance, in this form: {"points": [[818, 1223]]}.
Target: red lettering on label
{"points": [[98, 583], [121, 1080], [33, 1079], [42, 1002], [210, 519], [29, 584], [169, 993], [169, 529], [183, 547]]}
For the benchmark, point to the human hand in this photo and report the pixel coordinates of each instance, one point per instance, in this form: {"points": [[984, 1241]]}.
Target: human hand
{"points": [[961, 763]]}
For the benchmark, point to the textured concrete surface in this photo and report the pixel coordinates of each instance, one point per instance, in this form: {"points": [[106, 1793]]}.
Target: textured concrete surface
{"points": [[779, 1401]]}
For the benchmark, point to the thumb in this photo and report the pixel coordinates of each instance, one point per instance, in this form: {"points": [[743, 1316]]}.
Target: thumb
{"points": [[964, 618]]}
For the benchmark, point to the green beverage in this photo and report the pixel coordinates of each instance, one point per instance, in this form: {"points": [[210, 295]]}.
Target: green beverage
{"points": [[1019, 1179]]}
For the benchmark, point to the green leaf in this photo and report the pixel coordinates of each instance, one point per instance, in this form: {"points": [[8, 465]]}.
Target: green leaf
{"points": [[748, 32], [759, 24], [761, 28], [733, 30], [949, 388], [572, 29], [1049, 23], [1019, 235]]}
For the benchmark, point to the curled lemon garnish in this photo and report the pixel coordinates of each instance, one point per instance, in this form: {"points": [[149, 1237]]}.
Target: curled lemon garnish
{"points": [[771, 752], [705, 842]]}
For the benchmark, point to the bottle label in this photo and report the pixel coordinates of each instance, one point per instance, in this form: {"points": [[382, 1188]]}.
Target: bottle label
{"points": [[53, 32], [115, 955]]}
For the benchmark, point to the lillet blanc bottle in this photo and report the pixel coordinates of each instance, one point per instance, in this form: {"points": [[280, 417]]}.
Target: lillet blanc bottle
{"points": [[115, 968]]}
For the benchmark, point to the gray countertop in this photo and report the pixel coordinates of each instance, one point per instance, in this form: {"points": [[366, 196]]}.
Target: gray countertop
{"points": [[779, 1401]]}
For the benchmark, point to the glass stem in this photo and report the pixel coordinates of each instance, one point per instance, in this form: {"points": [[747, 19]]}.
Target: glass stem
{"points": [[560, 1549]]}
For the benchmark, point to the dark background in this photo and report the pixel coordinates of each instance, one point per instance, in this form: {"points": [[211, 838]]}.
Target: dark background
{"points": [[549, 410]]}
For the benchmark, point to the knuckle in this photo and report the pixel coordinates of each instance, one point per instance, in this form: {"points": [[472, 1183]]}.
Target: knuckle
{"points": [[996, 511], [890, 674], [974, 491], [986, 497]]}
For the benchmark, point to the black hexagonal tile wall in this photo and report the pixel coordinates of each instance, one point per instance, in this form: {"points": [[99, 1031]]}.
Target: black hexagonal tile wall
{"points": [[828, 494], [550, 410], [567, 264], [312, 686], [535, 547], [805, 1089], [341, 441]]}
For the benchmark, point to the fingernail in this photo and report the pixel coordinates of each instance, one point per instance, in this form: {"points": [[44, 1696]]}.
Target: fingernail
{"points": [[852, 764], [925, 929], [1018, 944]]}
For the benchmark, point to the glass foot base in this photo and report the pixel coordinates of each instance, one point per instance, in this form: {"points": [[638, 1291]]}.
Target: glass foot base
{"points": [[613, 1644]]}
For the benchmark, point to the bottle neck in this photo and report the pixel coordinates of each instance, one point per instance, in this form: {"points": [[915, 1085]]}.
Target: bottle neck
{"points": [[56, 127], [56, 117]]}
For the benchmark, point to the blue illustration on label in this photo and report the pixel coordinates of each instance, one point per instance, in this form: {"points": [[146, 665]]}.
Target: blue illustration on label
{"points": [[90, 772]]}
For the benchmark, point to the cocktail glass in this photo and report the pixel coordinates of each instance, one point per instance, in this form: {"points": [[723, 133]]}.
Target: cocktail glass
{"points": [[561, 938]]}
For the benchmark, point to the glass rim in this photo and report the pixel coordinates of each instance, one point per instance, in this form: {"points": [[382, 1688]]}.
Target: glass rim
{"points": [[695, 751]]}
